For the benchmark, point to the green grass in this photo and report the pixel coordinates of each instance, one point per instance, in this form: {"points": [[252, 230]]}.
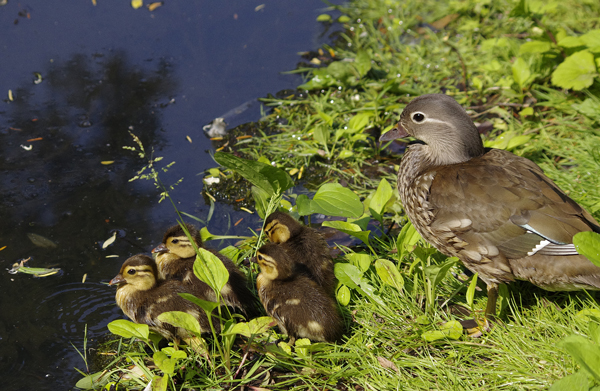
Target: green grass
{"points": [[328, 130]]}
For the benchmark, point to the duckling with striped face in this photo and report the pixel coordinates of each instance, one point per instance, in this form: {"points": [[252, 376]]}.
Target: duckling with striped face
{"points": [[142, 298], [300, 306], [303, 245], [175, 260]]}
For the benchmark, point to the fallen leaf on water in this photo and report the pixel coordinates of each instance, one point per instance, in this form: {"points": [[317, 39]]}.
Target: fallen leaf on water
{"points": [[38, 78], [94, 2], [112, 256], [259, 7], [2, 248], [35, 139], [247, 210], [107, 162], [189, 139], [109, 241], [41, 241], [84, 278], [136, 3], [10, 95], [155, 5], [237, 222], [27, 148], [20, 267]]}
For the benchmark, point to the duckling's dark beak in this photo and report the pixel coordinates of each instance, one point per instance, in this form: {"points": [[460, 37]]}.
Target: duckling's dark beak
{"points": [[161, 248], [117, 280], [396, 132]]}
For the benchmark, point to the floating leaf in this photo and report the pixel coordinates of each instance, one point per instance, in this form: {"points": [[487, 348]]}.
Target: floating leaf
{"points": [[155, 5], [110, 240], [576, 72], [135, 4], [324, 18], [344, 19], [389, 274], [41, 241], [588, 245], [107, 162], [127, 329]]}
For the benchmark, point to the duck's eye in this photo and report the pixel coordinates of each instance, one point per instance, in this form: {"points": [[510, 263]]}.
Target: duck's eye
{"points": [[131, 271], [418, 117], [175, 241]]}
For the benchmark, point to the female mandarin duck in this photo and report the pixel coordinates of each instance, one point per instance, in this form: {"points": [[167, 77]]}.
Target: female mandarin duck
{"points": [[496, 211], [175, 260], [142, 298], [301, 307], [304, 245]]}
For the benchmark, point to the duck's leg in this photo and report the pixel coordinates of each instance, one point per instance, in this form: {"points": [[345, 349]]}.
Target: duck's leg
{"points": [[490, 309]]}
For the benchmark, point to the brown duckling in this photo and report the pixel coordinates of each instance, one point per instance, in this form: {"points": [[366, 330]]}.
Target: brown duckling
{"points": [[142, 298], [496, 211], [304, 245], [300, 306], [175, 260]]}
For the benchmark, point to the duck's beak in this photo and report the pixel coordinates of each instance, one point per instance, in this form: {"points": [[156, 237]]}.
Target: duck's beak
{"points": [[161, 248], [117, 280], [396, 132]]}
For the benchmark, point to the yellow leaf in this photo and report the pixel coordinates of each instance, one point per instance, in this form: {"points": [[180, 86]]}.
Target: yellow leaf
{"points": [[189, 139], [155, 5], [109, 241], [10, 95], [107, 162], [293, 171], [84, 278], [137, 3]]}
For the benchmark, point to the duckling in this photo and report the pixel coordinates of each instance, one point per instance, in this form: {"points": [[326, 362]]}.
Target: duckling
{"points": [[142, 298], [304, 245], [175, 260], [300, 306]]}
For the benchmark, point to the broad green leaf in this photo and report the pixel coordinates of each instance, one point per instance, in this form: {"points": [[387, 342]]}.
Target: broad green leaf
{"points": [[345, 154], [588, 245], [360, 260], [326, 117], [344, 19], [332, 199], [301, 346], [576, 72], [351, 276], [452, 330], [261, 200], [436, 273], [349, 228], [127, 329], [268, 178], [586, 354], [571, 42], [589, 107], [471, 291], [321, 134], [343, 295], [588, 313], [181, 319], [389, 274], [359, 121], [579, 381], [535, 47], [362, 63], [594, 332], [255, 326], [407, 239], [93, 381], [160, 383], [164, 363], [382, 196], [521, 72], [207, 306], [518, 140], [591, 38], [209, 268]]}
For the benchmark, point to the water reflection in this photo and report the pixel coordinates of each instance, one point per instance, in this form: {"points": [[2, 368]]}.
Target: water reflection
{"points": [[59, 189]]}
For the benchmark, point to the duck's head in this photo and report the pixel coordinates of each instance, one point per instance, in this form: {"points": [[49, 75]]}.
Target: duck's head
{"points": [[280, 226], [177, 244], [138, 271], [442, 125], [274, 262]]}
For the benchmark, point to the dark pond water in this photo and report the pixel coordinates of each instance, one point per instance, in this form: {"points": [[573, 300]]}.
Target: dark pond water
{"points": [[81, 76]]}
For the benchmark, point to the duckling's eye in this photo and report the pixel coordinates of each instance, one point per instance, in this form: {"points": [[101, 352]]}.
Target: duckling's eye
{"points": [[175, 241], [131, 271], [418, 117]]}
